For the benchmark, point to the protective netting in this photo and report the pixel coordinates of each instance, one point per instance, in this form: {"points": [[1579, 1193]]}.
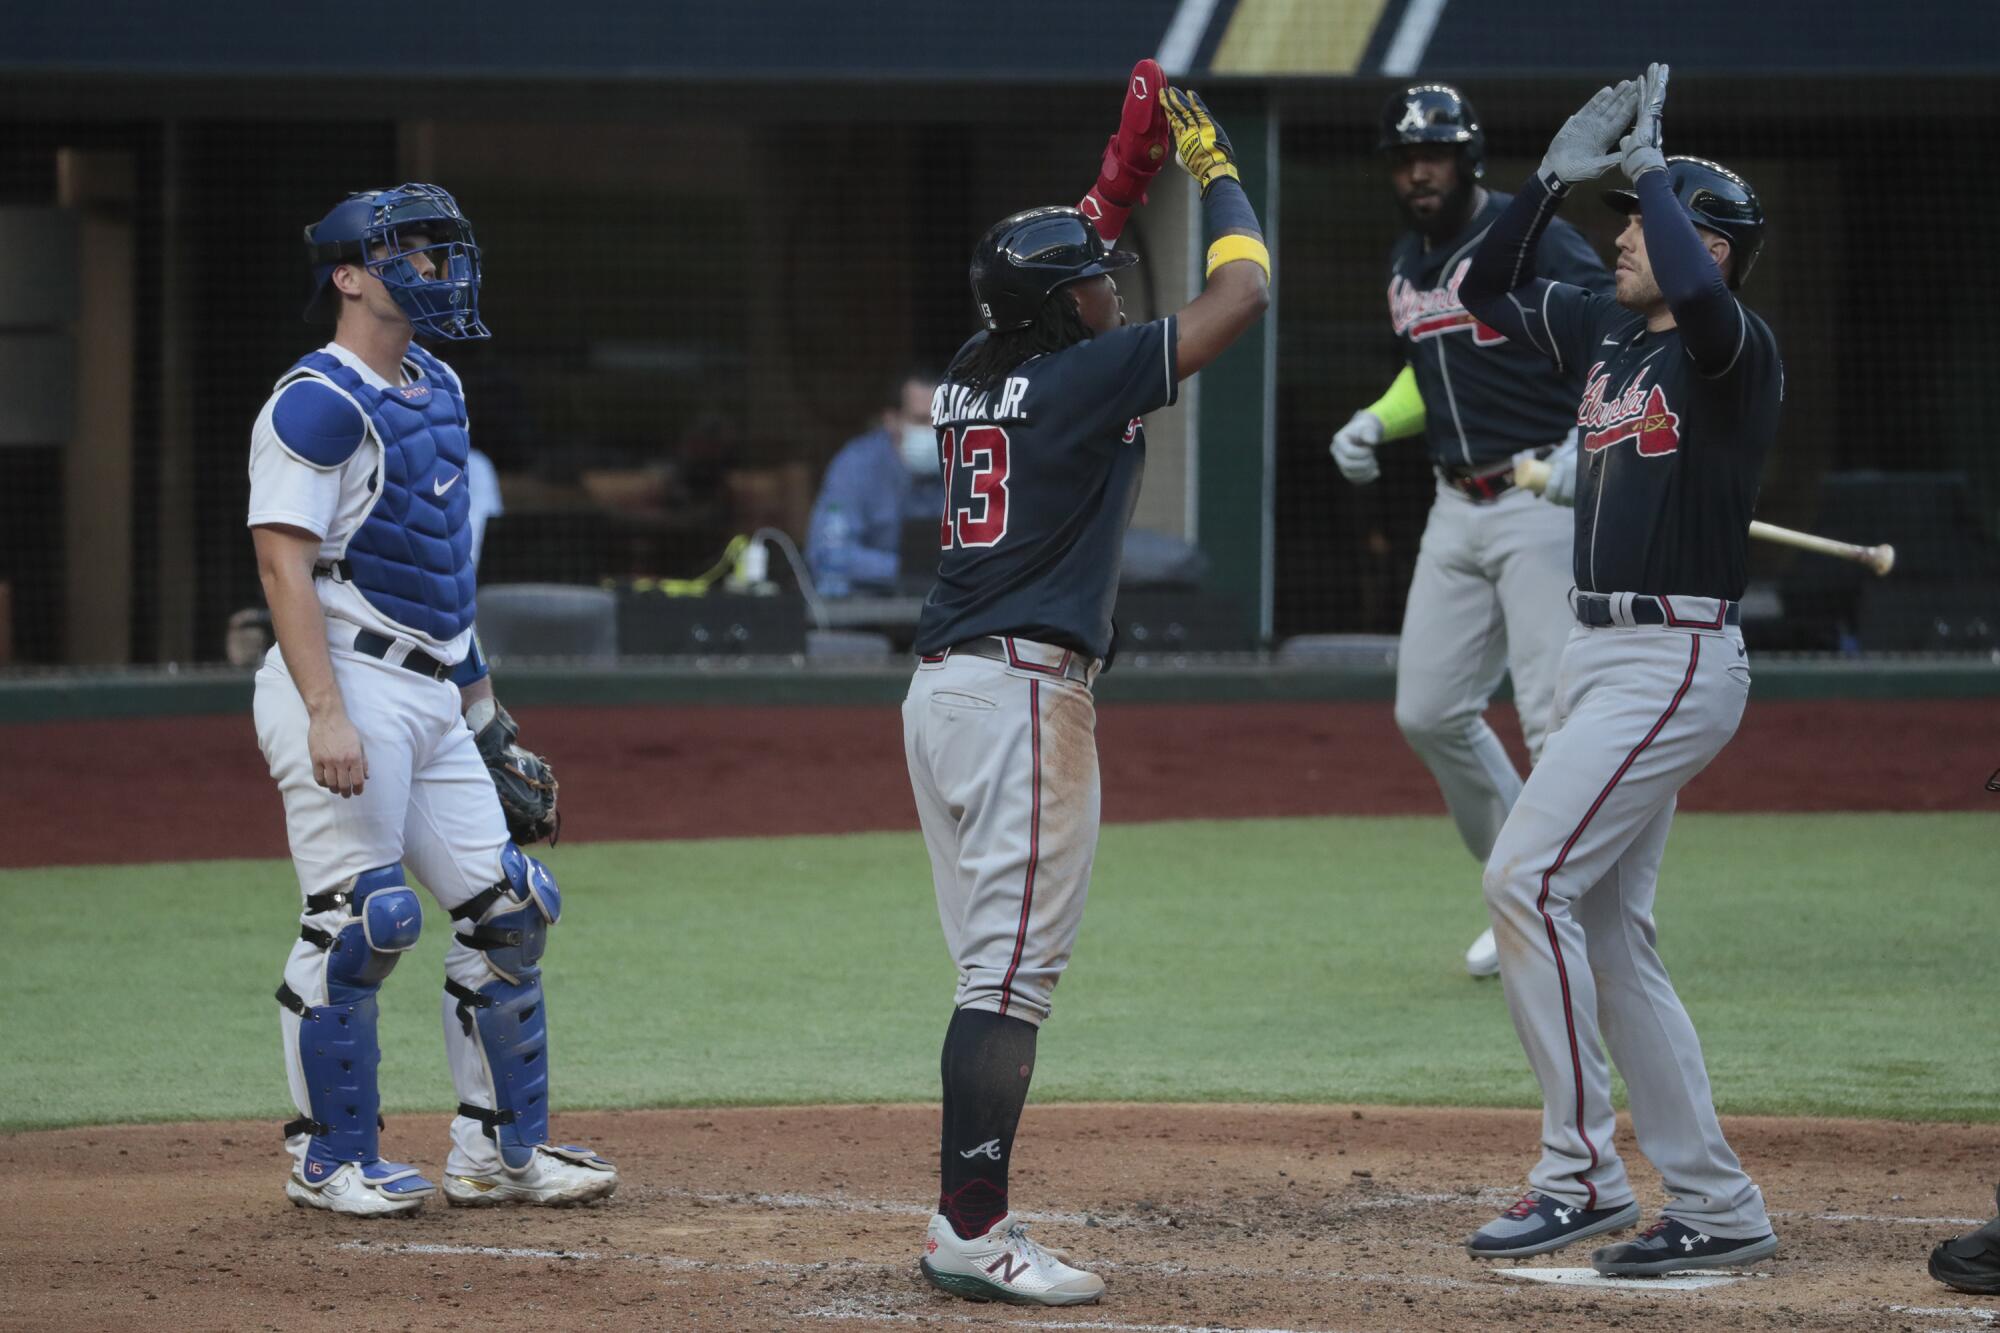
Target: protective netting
{"points": [[689, 324]]}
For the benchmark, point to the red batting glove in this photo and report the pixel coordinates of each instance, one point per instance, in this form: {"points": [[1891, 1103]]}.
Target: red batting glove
{"points": [[1133, 156]]}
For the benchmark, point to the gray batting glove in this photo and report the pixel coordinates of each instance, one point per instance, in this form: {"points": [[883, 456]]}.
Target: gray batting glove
{"points": [[1641, 147], [1354, 448], [1561, 488], [1583, 148]]}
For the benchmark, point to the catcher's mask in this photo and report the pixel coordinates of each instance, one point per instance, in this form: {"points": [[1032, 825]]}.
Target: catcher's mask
{"points": [[407, 221]]}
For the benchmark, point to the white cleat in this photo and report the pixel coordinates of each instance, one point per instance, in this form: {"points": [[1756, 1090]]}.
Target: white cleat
{"points": [[1483, 958], [377, 1189], [1003, 1265], [555, 1177]]}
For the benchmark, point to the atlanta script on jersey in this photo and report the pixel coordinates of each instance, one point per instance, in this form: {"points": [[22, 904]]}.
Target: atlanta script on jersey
{"points": [[1485, 399], [1671, 458]]}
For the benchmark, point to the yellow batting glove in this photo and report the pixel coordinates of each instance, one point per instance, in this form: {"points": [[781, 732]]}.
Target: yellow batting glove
{"points": [[1200, 143]]}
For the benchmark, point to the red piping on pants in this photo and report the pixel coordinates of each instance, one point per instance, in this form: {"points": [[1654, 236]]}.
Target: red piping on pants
{"points": [[1034, 844], [1562, 972]]}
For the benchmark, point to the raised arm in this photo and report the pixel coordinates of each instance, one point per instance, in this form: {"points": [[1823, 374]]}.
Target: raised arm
{"points": [[1500, 287], [1239, 265], [1136, 154], [1689, 275]]}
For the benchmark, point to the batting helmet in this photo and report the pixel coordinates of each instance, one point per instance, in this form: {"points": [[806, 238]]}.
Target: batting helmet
{"points": [[1023, 258], [406, 221], [1434, 113], [1714, 197]]}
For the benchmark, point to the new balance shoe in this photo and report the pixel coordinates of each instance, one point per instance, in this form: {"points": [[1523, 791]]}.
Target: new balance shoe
{"points": [[1538, 1224], [555, 1177], [361, 1189], [1483, 958], [1668, 1246], [1003, 1265], [1971, 1263]]}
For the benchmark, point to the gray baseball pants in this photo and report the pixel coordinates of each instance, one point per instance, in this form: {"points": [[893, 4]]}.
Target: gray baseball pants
{"points": [[1488, 598], [1003, 763], [1639, 710]]}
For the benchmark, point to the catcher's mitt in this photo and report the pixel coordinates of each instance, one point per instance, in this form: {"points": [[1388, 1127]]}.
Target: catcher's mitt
{"points": [[523, 779]]}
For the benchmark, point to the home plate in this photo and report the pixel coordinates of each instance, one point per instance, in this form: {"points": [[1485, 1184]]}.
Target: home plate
{"points": [[1590, 1277]]}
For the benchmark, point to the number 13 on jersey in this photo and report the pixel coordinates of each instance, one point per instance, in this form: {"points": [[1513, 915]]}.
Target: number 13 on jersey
{"points": [[978, 456]]}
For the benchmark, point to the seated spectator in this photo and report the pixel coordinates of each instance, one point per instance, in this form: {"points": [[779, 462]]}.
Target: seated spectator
{"points": [[873, 485]]}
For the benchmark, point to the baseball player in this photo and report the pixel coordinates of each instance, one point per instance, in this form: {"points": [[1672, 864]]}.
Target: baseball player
{"points": [[1041, 436], [358, 510], [1682, 390], [1493, 568]]}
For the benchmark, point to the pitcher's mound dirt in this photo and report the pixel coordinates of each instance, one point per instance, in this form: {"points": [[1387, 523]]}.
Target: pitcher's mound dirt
{"points": [[1273, 1218]]}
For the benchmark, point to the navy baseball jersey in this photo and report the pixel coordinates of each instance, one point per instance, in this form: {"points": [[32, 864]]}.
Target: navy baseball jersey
{"points": [[1670, 458], [1486, 398], [1041, 474]]}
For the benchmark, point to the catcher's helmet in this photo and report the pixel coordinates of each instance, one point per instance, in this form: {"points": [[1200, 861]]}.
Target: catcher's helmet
{"points": [[445, 305], [1714, 197], [1434, 113], [1025, 257]]}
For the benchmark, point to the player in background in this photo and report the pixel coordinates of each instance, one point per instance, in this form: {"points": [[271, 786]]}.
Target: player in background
{"points": [[1041, 434], [359, 515], [1493, 570], [1683, 388], [876, 481]]}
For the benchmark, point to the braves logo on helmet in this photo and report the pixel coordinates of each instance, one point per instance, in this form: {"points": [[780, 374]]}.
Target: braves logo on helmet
{"points": [[1635, 414]]}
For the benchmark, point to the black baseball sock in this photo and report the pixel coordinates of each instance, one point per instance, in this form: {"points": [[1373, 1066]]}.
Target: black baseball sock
{"points": [[987, 1063]]}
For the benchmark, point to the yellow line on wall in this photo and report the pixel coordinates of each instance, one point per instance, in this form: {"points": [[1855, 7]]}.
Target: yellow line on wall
{"points": [[1297, 36]]}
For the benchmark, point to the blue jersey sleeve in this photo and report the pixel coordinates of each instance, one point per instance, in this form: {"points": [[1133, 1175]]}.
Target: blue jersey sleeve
{"points": [[1557, 319], [317, 423], [1712, 325], [1120, 375]]}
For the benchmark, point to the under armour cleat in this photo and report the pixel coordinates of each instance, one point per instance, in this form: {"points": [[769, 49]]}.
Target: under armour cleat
{"points": [[1538, 1224], [1671, 1245], [1003, 1265], [362, 1189], [555, 1177]]}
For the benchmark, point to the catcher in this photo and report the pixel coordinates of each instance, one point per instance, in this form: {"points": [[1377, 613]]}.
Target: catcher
{"points": [[360, 516]]}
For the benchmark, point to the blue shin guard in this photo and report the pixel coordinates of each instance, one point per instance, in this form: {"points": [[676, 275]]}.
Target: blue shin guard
{"points": [[374, 919], [507, 1015]]}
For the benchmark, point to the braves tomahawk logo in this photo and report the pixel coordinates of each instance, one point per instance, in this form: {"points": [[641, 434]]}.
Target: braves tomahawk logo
{"points": [[1638, 413], [1419, 314]]}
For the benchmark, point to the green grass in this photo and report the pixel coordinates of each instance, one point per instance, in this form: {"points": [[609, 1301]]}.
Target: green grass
{"points": [[1825, 959]]}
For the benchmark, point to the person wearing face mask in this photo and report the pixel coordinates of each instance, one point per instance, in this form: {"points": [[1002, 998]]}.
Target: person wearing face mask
{"points": [[877, 482]]}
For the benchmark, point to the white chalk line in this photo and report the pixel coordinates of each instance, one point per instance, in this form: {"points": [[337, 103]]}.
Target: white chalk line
{"points": [[667, 1261], [1115, 1221], [1984, 1316], [1226, 1271], [1884, 1221], [837, 1313]]}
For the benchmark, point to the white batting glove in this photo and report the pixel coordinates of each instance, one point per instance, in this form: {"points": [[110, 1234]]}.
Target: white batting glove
{"points": [[1561, 488], [1354, 447]]}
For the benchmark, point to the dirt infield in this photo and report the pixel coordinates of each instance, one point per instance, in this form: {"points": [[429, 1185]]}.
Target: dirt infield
{"points": [[191, 788], [1325, 1218]]}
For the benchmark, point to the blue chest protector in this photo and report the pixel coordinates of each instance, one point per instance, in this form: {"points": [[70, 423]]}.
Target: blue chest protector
{"points": [[412, 555]]}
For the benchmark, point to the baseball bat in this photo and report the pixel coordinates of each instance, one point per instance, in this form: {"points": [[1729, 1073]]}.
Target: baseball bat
{"points": [[1533, 474]]}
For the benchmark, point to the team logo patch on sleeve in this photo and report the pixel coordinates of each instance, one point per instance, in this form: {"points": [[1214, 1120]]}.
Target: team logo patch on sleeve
{"points": [[1639, 413]]}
